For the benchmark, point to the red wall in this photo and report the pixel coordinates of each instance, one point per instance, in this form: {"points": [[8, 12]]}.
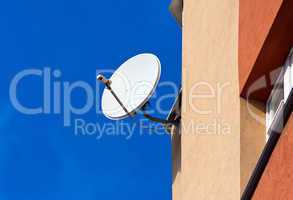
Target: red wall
{"points": [[265, 38], [255, 20], [277, 179]]}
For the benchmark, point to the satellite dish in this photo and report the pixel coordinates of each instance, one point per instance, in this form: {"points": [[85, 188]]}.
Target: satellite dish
{"points": [[130, 87]]}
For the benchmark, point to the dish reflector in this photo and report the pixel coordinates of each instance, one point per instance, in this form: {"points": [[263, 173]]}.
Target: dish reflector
{"points": [[133, 83]]}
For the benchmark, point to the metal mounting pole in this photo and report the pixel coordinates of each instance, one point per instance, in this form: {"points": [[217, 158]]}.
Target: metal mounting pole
{"points": [[107, 83], [155, 119]]}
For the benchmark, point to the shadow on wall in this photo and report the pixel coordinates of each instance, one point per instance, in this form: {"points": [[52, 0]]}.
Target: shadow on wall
{"points": [[176, 152]]}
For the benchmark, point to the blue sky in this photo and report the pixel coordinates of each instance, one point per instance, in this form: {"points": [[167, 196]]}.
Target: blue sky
{"points": [[42, 159]]}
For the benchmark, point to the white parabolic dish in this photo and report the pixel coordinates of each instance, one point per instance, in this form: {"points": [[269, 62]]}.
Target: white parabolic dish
{"points": [[134, 83]]}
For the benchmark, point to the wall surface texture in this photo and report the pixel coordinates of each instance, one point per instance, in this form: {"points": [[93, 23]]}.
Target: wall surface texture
{"points": [[252, 137], [210, 141], [277, 181], [176, 162], [256, 18], [265, 39]]}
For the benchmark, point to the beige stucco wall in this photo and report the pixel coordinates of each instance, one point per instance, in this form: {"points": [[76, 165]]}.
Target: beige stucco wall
{"points": [[252, 137], [176, 163], [176, 188], [210, 165]]}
